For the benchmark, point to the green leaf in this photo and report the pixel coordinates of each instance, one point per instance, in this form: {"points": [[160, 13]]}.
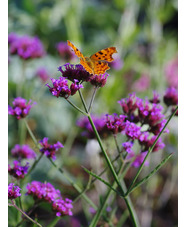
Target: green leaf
{"points": [[101, 179], [151, 173]]}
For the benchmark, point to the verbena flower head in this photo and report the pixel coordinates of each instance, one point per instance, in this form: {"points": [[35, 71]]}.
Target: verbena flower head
{"points": [[156, 98], [65, 51], [72, 72], [131, 130], [128, 146], [13, 191], [46, 192], [99, 80], [20, 108], [61, 89], [99, 122], [62, 207], [27, 47], [139, 159], [115, 123], [171, 72], [50, 149], [171, 96], [23, 151], [43, 74], [18, 171]]}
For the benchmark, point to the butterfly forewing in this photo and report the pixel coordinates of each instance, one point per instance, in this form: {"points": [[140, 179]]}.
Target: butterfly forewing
{"points": [[104, 55], [76, 50], [86, 66]]}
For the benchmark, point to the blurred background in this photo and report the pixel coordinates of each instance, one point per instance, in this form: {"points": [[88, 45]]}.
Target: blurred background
{"points": [[145, 35]]}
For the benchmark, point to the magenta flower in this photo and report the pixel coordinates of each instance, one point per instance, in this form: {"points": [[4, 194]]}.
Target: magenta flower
{"points": [[131, 130], [128, 146], [171, 96], [27, 47], [46, 192], [18, 171], [139, 159], [12, 37], [142, 83], [23, 151], [43, 74], [50, 149], [99, 80], [20, 108], [65, 51], [117, 64], [72, 72], [171, 73], [74, 87], [62, 207], [115, 123], [13, 191], [156, 98]]}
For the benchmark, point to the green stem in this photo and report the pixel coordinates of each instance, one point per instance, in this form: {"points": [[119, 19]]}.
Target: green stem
{"points": [[73, 184], [31, 134], [77, 108], [29, 218], [83, 101], [117, 146], [92, 99], [149, 151]]}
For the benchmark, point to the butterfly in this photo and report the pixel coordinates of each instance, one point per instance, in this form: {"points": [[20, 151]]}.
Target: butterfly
{"points": [[96, 63]]}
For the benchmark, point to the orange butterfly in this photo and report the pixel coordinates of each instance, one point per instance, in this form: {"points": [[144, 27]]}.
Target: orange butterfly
{"points": [[96, 63]]}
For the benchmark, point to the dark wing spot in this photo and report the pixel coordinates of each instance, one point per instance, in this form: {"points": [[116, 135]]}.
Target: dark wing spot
{"points": [[99, 63], [99, 58], [100, 52], [96, 55]]}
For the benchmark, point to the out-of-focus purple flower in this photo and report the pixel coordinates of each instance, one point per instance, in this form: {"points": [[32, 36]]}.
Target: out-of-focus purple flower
{"points": [[13, 191], [74, 87], [46, 192], [171, 73], [139, 159], [62, 207], [131, 130], [117, 64], [171, 96], [72, 72], [27, 47], [156, 98], [128, 146], [99, 123], [92, 210], [23, 151], [18, 171], [142, 83], [99, 80], [20, 108], [12, 37], [115, 123], [50, 149], [65, 51], [43, 74]]}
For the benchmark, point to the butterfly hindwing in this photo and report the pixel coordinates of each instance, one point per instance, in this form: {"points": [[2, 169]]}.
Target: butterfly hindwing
{"points": [[100, 67], [86, 66]]}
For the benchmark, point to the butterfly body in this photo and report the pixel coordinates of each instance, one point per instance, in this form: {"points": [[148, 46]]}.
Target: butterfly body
{"points": [[96, 63]]}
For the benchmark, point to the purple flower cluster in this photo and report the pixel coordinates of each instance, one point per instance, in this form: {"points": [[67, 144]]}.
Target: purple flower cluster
{"points": [[26, 47], [171, 72], [115, 123], [23, 151], [131, 130], [50, 149], [20, 108], [65, 51], [76, 72], [99, 123], [13, 191], [142, 83], [61, 89], [171, 96], [99, 80], [46, 192], [18, 171], [42, 73]]}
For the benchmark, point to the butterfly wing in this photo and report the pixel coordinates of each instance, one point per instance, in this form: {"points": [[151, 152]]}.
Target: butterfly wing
{"points": [[104, 55], [86, 66], [76, 50], [100, 67]]}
